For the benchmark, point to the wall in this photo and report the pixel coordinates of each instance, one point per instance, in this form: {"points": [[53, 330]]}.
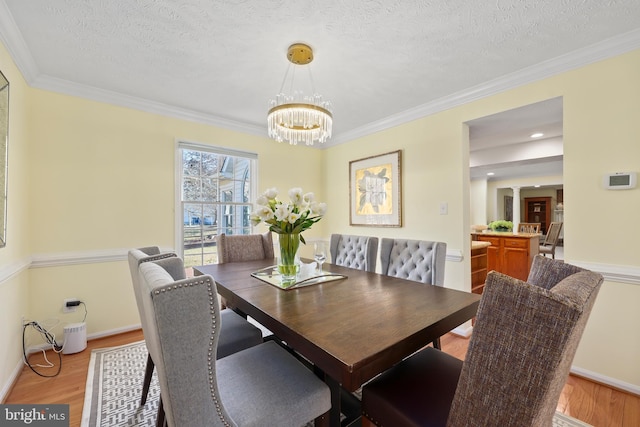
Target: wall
{"points": [[601, 102], [14, 257], [478, 202], [103, 180]]}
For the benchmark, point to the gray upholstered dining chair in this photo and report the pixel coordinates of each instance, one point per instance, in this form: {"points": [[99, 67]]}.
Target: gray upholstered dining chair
{"points": [[264, 385], [524, 340], [237, 334], [551, 240], [418, 260], [359, 252], [135, 258], [244, 247]]}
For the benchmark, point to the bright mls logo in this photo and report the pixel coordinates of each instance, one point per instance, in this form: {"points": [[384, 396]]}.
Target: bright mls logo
{"points": [[34, 415]]}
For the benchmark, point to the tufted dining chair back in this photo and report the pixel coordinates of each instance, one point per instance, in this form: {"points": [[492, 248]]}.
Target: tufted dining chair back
{"points": [[418, 260], [357, 252]]}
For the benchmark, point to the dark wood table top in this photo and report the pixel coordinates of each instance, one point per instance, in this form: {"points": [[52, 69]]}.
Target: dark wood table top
{"points": [[351, 329]]}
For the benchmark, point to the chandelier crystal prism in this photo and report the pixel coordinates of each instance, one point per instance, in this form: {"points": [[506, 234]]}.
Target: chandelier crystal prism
{"points": [[295, 117]]}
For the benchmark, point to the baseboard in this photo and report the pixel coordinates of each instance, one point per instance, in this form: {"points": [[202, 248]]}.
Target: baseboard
{"points": [[115, 331], [608, 381], [46, 346], [465, 330], [6, 388]]}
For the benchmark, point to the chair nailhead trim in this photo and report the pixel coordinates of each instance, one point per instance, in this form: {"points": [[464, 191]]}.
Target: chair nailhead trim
{"points": [[210, 357]]}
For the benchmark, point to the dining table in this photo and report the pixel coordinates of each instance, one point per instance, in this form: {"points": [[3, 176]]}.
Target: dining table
{"points": [[351, 326]]}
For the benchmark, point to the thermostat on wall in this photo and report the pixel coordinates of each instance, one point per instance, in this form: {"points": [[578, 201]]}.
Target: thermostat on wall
{"points": [[620, 180]]}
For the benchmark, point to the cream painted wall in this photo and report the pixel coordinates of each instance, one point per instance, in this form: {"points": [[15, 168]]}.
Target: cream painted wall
{"points": [[601, 102], [103, 179], [478, 203], [104, 175], [434, 150], [14, 289]]}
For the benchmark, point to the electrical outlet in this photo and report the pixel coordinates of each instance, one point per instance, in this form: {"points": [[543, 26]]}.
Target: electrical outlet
{"points": [[444, 208], [70, 305]]}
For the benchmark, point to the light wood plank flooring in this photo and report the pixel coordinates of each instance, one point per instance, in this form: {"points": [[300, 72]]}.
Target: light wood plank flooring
{"points": [[593, 403]]}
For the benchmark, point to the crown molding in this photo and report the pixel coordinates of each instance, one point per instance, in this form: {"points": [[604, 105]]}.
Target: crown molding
{"points": [[14, 42], [116, 98], [579, 58]]}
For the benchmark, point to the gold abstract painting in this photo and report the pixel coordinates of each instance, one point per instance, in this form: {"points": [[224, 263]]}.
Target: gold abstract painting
{"points": [[375, 190]]}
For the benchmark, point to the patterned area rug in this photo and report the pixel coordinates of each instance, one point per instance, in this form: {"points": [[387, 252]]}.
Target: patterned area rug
{"points": [[114, 387]]}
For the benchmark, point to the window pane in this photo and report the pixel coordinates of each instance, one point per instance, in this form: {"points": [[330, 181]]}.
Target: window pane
{"points": [[246, 189], [209, 190], [190, 163], [191, 189], [226, 167], [209, 164], [246, 217]]}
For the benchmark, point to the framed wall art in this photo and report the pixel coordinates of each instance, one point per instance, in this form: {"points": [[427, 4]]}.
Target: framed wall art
{"points": [[375, 190]]}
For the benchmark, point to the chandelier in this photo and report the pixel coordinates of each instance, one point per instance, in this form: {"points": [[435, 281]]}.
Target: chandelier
{"points": [[294, 117]]}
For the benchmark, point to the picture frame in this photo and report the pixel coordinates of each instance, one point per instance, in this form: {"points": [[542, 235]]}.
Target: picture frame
{"points": [[375, 190]]}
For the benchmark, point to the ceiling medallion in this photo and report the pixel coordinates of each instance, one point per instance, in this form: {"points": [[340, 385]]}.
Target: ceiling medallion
{"points": [[297, 118]]}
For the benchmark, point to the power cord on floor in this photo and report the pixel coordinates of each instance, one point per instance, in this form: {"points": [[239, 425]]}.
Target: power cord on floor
{"points": [[49, 338]]}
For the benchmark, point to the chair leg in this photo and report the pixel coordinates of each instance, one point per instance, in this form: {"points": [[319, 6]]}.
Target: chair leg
{"points": [[160, 418], [148, 373], [436, 344], [322, 420]]}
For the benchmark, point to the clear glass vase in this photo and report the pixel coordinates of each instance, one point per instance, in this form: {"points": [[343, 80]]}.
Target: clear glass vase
{"points": [[289, 263]]}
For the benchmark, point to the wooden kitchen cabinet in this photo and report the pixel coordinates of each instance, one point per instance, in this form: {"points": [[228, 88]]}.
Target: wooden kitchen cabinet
{"points": [[510, 253], [479, 261]]}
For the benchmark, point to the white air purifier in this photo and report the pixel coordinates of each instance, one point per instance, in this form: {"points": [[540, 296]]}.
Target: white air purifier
{"points": [[75, 338]]}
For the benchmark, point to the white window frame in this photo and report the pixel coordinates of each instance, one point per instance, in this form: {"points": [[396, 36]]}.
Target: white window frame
{"points": [[196, 146]]}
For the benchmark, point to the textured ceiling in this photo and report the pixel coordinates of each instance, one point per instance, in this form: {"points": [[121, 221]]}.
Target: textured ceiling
{"points": [[380, 62]]}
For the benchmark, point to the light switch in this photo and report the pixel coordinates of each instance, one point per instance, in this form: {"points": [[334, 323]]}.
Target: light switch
{"points": [[444, 208]]}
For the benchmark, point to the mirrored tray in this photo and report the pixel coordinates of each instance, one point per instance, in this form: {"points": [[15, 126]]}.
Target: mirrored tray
{"points": [[272, 276]]}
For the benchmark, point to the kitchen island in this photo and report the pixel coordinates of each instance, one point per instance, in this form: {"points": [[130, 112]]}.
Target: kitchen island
{"points": [[510, 253]]}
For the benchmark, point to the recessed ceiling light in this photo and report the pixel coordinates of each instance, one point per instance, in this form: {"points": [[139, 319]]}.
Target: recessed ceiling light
{"points": [[537, 135], [490, 173]]}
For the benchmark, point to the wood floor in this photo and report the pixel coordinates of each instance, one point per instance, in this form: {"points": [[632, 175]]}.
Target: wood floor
{"points": [[595, 404]]}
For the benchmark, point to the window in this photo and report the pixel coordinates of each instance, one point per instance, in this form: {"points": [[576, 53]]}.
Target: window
{"points": [[216, 191]]}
